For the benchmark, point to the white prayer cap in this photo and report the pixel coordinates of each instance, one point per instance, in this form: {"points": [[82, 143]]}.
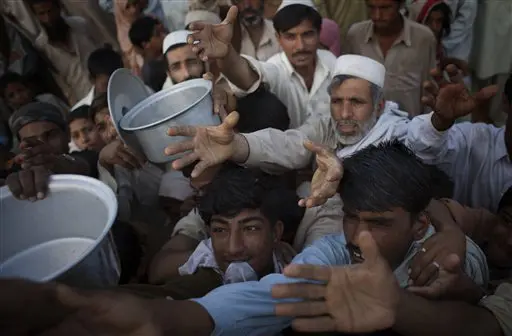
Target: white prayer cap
{"points": [[295, 2], [361, 67], [175, 38]]}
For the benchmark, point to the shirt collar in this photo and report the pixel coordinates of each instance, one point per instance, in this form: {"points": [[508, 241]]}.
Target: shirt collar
{"points": [[405, 34], [266, 38]]}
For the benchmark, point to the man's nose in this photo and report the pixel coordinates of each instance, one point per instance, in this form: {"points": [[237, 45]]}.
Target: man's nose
{"points": [[236, 244]]}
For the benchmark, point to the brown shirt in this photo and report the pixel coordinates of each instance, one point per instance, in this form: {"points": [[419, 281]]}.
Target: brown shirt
{"points": [[407, 62]]}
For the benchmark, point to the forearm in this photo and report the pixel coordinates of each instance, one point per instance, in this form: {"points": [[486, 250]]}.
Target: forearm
{"points": [[166, 264], [417, 316], [238, 70], [180, 317]]}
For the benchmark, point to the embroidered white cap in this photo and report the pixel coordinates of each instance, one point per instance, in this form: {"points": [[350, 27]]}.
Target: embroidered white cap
{"points": [[175, 38], [295, 2], [361, 67]]}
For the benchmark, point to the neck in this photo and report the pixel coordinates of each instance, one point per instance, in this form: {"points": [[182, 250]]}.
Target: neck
{"points": [[308, 71], [255, 32], [393, 29]]}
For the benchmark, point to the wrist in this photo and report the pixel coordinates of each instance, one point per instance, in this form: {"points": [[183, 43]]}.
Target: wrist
{"points": [[441, 123], [240, 149]]}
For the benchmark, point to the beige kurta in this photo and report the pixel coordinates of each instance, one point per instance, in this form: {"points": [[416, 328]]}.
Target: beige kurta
{"points": [[343, 12], [408, 62], [316, 223], [268, 46], [283, 81]]}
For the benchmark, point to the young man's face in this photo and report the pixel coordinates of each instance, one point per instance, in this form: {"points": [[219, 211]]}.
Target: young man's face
{"points": [[85, 135], [435, 22], [100, 84], [183, 64], [300, 44], [104, 126], [17, 95], [383, 13], [251, 12], [48, 13], [246, 237], [157, 40], [394, 232]]}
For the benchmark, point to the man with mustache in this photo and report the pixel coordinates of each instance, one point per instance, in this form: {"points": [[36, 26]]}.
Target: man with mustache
{"points": [[258, 35], [67, 42]]}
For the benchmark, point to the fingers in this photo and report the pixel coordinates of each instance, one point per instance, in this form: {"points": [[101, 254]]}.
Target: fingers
{"points": [[14, 185], [428, 292], [455, 75], [429, 94], [41, 179], [310, 272], [428, 274], [179, 147], [316, 324], [197, 26], [314, 148], [422, 260], [185, 161], [199, 168], [231, 16], [127, 160], [312, 201], [307, 308], [26, 178], [186, 131], [231, 120], [369, 248], [487, 93], [452, 263], [72, 299], [208, 76], [298, 291]]}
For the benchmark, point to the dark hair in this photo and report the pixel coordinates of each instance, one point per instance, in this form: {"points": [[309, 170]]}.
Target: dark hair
{"points": [[142, 30], [9, 78], [236, 188], [385, 176], [292, 15], [99, 103], [447, 16], [104, 61], [442, 184], [507, 91], [37, 2], [261, 109], [81, 112], [506, 199]]}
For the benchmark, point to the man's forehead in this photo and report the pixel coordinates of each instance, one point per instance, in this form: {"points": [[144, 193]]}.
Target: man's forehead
{"points": [[241, 216], [36, 128], [304, 27], [387, 214], [180, 53], [351, 87]]}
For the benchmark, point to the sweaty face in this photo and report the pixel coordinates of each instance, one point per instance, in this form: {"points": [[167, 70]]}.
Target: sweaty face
{"points": [[393, 231], [251, 12], [183, 64], [435, 22], [300, 44], [383, 13], [17, 95], [47, 132], [352, 110], [245, 237], [499, 245], [104, 126], [85, 135]]}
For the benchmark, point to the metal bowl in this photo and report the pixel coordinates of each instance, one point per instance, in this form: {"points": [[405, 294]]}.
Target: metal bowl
{"points": [[187, 103], [64, 237]]}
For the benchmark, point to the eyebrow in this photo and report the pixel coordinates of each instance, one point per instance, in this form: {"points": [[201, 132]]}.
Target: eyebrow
{"points": [[242, 221]]}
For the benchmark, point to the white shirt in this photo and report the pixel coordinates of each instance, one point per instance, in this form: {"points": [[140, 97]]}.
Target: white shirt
{"points": [[283, 81], [87, 100], [473, 155], [458, 44], [268, 46]]}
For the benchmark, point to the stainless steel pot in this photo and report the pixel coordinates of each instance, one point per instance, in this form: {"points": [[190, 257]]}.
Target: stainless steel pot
{"points": [[187, 103], [65, 237]]}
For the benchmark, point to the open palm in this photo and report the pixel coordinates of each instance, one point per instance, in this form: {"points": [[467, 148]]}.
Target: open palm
{"points": [[213, 41]]}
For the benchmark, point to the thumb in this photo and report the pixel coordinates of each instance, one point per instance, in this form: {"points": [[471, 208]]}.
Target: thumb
{"points": [[487, 93], [369, 248], [231, 16], [313, 147], [208, 76], [231, 120]]}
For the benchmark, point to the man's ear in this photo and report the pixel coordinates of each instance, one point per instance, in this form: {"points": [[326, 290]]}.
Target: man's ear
{"points": [[380, 107], [420, 226], [278, 231]]}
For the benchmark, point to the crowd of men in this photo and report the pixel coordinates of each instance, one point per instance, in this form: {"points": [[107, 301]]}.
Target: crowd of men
{"points": [[360, 180]]}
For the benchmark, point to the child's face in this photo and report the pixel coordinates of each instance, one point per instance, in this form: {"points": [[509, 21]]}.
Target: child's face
{"points": [[17, 95], [85, 135], [104, 126]]}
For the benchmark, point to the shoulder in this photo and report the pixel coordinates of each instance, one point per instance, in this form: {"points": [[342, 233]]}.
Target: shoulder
{"points": [[77, 23], [421, 33], [359, 27]]}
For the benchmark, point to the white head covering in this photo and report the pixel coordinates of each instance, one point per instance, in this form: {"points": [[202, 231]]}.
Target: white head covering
{"points": [[361, 67], [202, 15], [174, 38], [295, 2]]}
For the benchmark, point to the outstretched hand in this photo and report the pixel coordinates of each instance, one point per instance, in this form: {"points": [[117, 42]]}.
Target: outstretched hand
{"points": [[213, 41], [326, 178]]}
